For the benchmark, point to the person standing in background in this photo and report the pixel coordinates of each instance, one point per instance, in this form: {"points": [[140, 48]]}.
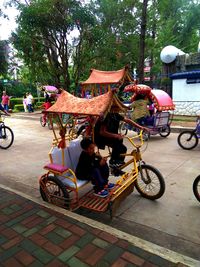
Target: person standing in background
{"points": [[5, 101], [30, 100], [25, 102]]}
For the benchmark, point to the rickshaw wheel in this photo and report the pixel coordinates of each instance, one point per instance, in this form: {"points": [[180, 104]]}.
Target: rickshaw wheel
{"points": [[150, 182], [54, 187], [187, 140], [196, 187], [165, 132]]}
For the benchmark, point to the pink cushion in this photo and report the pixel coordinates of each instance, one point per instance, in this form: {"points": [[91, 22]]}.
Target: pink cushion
{"points": [[56, 167]]}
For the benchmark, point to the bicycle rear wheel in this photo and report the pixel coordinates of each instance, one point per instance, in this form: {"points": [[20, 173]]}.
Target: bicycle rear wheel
{"points": [[187, 140], [150, 182], [6, 137], [196, 188], [165, 131], [56, 190]]}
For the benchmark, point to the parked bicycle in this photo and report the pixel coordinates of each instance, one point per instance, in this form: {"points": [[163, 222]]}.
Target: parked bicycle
{"points": [[6, 134], [161, 108], [189, 139]]}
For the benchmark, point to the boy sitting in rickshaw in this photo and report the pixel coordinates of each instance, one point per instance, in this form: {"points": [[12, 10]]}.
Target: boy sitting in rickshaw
{"points": [[93, 167]]}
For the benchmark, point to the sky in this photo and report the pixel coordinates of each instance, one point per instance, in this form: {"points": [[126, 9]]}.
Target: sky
{"points": [[6, 26]]}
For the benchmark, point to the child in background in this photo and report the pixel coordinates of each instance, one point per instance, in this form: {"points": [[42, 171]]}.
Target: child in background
{"points": [[94, 168], [45, 106]]}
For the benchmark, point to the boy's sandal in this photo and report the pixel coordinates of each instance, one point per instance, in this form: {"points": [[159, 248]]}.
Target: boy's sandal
{"points": [[102, 193]]}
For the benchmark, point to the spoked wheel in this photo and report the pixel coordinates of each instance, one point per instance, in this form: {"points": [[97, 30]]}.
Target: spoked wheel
{"points": [[123, 128], [42, 122], [188, 140], [56, 190], [165, 131], [145, 135], [6, 137], [150, 182], [196, 188]]}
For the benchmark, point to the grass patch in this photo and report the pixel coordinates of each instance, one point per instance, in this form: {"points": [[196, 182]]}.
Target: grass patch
{"points": [[184, 118]]}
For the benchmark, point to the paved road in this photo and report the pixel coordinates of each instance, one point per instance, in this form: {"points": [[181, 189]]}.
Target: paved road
{"points": [[172, 221]]}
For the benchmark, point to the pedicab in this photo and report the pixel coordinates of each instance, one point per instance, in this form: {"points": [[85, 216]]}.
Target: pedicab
{"points": [[161, 111], [59, 184]]}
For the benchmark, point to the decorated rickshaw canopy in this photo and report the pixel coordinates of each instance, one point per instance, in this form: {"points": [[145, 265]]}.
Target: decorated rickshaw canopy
{"points": [[105, 77], [96, 106], [160, 98], [101, 81]]}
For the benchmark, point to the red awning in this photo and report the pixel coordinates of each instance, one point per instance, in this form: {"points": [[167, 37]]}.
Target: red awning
{"points": [[104, 77], [161, 100], [96, 106], [138, 88]]}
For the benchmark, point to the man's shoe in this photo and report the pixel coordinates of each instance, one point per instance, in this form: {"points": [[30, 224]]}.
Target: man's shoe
{"points": [[102, 193], [116, 163]]}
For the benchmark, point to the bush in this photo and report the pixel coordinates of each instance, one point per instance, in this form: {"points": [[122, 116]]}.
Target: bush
{"points": [[38, 104], [16, 101], [19, 107]]}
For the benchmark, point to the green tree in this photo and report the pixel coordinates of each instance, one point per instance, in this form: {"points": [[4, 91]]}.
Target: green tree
{"points": [[43, 38]]}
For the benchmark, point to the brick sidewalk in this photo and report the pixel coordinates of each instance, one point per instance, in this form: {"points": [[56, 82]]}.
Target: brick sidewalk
{"points": [[33, 235]]}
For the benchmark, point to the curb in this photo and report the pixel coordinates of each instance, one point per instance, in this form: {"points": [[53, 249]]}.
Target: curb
{"points": [[27, 116], [179, 129], [35, 116]]}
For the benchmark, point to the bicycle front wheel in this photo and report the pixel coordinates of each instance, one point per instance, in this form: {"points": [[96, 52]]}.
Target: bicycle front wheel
{"points": [[187, 140], [196, 188], [150, 182], [6, 137]]}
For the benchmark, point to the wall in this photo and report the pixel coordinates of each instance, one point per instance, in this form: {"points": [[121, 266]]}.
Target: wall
{"points": [[189, 108], [186, 97], [185, 92]]}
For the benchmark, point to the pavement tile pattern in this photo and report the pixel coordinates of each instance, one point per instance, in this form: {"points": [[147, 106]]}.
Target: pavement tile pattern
{"points": [[33, 235]]}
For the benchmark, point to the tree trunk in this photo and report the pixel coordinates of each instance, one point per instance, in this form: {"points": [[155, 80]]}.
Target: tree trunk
{"points": [[142, 42]]}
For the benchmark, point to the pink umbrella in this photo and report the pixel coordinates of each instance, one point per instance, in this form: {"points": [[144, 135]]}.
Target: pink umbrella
{"points": [[50, 89]]}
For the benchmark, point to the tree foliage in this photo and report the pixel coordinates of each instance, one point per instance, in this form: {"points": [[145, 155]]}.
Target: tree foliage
{"points": [[109, 35]]}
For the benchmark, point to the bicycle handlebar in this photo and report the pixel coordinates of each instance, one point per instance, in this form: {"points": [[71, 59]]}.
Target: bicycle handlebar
{"points": [[131, 139]]}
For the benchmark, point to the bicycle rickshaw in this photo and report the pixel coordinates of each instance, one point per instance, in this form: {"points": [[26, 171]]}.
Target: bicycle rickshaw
{"points": [[59, 185], [159, 122]]}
